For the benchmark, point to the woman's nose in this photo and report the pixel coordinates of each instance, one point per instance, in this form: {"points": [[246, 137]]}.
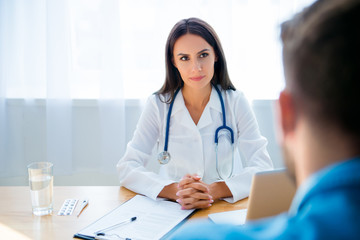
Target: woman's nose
{"points": [[197, 66]]}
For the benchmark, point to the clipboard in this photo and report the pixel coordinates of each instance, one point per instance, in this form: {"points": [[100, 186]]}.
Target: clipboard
{"points": [[154, 220]]}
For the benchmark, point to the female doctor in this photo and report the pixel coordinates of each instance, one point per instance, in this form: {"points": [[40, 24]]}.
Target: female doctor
{"points": [[197, 123]]}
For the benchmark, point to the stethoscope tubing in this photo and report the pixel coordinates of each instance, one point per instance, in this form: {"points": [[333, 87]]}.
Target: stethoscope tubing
{"points": [[224, 119], [224, 126], [168, 120]]}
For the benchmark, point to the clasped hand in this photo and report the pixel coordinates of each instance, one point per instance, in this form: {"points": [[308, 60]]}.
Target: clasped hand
{"points": [[193, 193]]}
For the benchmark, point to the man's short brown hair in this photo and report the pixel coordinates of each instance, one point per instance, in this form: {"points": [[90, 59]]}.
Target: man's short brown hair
{"points": [[321, 54]]}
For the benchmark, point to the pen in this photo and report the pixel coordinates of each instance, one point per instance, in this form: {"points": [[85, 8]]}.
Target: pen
{"points": [[83, 206], [102, 231], [103, 238]]}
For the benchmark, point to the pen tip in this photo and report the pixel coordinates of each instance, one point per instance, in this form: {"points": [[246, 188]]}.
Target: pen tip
{"points": [[133, 218]]}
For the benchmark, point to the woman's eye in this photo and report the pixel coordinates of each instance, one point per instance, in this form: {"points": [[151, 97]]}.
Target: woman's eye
{"points": [[204, 55], [184, 58]]}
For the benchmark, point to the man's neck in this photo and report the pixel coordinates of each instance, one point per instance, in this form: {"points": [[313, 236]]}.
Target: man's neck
{"points": [[318, 148]]}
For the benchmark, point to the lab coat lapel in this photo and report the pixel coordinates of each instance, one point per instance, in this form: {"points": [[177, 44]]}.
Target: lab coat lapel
{"points": [[182, 114], [213, 104]]}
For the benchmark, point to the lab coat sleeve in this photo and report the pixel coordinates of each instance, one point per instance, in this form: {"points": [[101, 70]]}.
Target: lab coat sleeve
{"points": [[253, 148], [131, 167]]}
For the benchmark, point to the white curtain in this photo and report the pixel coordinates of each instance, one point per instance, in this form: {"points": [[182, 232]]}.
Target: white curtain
{"points": [[68, 67], [45, 71]]}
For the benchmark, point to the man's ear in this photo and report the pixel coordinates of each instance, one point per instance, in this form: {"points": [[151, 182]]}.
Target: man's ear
{"points": [[287, 112]]}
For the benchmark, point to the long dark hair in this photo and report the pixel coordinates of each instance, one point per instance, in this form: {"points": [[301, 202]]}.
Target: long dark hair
{"points": [[198, 27]]}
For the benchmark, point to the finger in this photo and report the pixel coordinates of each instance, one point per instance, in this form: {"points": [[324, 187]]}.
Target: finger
{"points": [[194, 201], [186, 176], [197, 196], [199, 186], [185, 181], [186, 192], [196, 177], [191, 193], [186, 201], [197, 204]]}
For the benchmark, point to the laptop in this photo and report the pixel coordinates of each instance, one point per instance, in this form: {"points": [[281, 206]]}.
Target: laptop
{"points": [[271, 193]]}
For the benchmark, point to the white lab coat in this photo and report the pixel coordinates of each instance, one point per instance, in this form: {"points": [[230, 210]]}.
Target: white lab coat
{"points": [[192, 147]]}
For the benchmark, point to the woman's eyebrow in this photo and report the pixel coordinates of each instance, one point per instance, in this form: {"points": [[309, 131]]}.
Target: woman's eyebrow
{"points": [[185, 54], [204, 50]]}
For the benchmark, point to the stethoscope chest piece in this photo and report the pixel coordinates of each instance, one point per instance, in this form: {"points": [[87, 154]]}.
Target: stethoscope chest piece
{"points": [[164, 157]]}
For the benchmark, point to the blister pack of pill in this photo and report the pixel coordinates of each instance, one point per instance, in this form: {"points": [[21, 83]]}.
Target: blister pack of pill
{"points": [[68, 207]]}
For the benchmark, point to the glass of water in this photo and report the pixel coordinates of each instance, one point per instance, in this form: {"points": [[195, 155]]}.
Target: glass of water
{"points": [[41, 187]]}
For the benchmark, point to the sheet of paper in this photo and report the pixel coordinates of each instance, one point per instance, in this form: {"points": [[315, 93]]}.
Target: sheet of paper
{"points": [[237, 217], [153, 219]]}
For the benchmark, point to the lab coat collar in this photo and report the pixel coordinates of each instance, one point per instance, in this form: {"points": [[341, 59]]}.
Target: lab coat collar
{"points": [[183, 117], [213, 104], [206, 119], [179, 104], [214, 101]]}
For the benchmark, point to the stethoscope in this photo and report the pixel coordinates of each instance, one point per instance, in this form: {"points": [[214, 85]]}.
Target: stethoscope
{"points": [[164, 157]]}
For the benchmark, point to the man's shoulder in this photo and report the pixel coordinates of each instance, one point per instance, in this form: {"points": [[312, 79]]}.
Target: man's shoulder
{"points": [[332, 207], [332, 214]]}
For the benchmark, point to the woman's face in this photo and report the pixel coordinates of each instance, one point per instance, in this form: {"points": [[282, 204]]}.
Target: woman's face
{"points": [[195, 59]]}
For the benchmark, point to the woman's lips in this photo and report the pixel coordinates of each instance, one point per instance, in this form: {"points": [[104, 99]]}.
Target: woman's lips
{"points": [[197, 78]]}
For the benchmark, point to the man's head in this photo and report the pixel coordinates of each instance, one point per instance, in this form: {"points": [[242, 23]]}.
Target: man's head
{"points": [[321, 54]]}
